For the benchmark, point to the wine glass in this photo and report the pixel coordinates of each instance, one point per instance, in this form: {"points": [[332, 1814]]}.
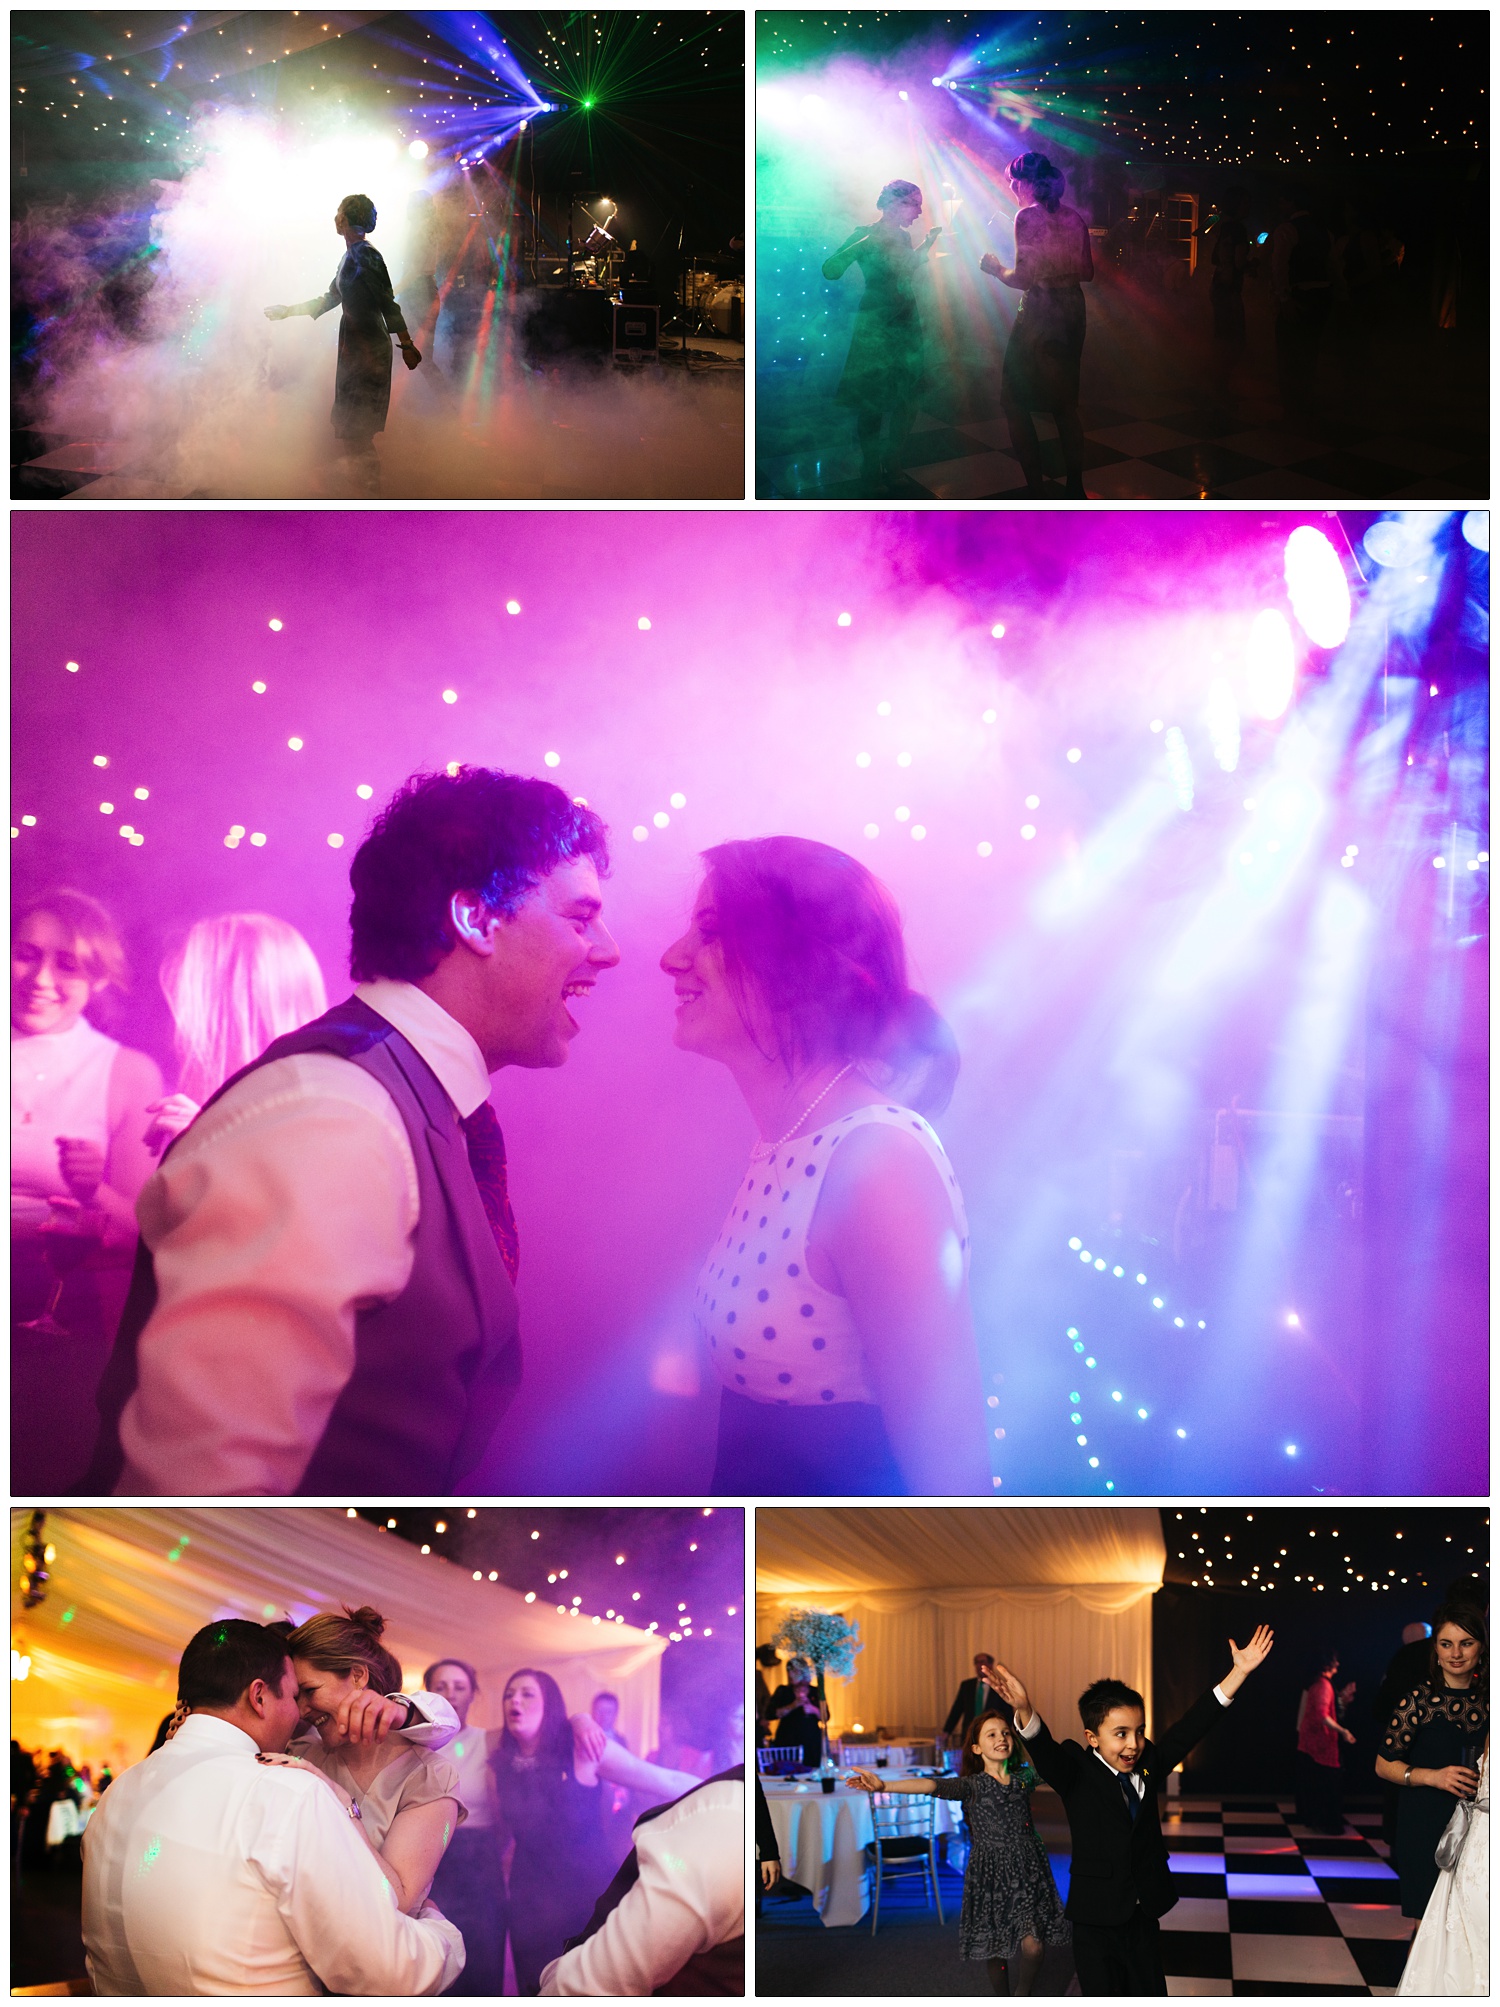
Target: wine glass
{"points": [[68, 1239]]}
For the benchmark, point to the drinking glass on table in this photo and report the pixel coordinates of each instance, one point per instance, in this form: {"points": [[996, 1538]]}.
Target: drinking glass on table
{"points": [[73, 1233]]}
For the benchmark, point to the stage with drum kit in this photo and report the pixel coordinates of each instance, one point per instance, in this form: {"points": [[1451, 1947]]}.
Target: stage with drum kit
{"points": [[596, 290]]}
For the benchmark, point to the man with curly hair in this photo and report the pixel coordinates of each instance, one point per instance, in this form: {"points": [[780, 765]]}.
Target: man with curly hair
{"points": [[323, 1300]]}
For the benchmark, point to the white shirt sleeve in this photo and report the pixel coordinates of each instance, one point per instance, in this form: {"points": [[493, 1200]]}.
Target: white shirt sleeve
{"points": [[437, 1725], [1224, 1699], [1028, 1733], [690, 1897], [286, 1208], [340, 1910]]}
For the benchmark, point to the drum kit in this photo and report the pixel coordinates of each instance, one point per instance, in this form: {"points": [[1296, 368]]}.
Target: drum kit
{"points": [[709, 304]]}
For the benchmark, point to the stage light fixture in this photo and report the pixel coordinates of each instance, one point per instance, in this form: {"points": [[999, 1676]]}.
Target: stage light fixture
{"points": [[1476, 528], [1317, 587], [903, 97], [418, 149], [1271, 664], [937, 83]]}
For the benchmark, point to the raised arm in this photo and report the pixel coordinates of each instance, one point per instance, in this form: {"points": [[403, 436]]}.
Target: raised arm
{"points": [[870, 1780], [836, 266], [633, 1773], [1246, 1658], [887, 1225], [323, 304]]}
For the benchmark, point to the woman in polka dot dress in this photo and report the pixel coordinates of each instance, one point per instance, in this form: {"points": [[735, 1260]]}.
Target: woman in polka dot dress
{"points": [[835, 1301]]}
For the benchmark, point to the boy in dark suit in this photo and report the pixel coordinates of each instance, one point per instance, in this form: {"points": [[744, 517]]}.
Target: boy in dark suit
{"points": [[1120, 1881]]}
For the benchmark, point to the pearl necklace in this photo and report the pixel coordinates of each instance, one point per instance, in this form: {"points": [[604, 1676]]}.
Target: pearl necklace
{"points": [[811, 1105]]}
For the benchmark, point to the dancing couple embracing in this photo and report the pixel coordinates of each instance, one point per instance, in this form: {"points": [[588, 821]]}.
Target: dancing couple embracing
{"points": [[300, 1827], [324, 1299]]}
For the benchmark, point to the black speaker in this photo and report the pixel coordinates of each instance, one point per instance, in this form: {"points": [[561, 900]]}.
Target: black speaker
{"points": [[636, 330]]}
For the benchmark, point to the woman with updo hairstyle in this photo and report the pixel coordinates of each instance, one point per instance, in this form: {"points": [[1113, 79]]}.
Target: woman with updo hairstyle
{"points": [[407, 1798], [1054, 258], [371, 316], [78, 1160], [835, 1300], [884, 367]]}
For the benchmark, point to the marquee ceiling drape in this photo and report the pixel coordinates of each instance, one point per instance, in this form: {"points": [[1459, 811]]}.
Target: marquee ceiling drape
{"points": [[1061, 1594], [129, 1586]]}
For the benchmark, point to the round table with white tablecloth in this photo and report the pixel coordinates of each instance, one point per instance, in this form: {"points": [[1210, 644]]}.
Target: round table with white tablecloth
{"points": [[822, 1837]]}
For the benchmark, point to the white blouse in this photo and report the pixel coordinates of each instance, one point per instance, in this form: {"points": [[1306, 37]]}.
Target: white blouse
{"points": [[59, 1086], [773, 1333]]}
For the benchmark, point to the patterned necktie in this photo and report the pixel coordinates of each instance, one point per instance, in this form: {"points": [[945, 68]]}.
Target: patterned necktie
{"points": [[487, 1161]]}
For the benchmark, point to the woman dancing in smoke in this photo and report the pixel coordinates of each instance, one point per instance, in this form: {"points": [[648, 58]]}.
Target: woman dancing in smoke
{"points": [[362, 287], [835, 1301], [1053, 259], [883, 369]]}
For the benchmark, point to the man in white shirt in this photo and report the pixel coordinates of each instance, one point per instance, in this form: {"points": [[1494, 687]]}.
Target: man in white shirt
{"points": [[323, 1299], [679, 1926], [208, 1871]]}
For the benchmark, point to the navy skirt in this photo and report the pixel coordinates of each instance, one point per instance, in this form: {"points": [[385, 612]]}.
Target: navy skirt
{"points": [[766, 1450]]}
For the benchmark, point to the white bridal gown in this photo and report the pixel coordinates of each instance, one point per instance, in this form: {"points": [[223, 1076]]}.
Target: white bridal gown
{"points": [[1450, 1953]]}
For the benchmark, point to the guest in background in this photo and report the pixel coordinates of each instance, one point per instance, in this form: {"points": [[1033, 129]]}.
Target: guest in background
{"points": [[1408, 1667], [233, 985], [469, 1887], [799, 1724], [78, 1161], [1432, 1747], [605, 1708], [767, 1848], [1302, 284], [1319, 1733], [974, 1696], [766, 1661], [548, 1771]]}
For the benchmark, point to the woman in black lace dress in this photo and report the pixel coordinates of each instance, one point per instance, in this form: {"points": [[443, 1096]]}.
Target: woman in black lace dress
{"points": [[1011, 1910], [1432, 1748]]}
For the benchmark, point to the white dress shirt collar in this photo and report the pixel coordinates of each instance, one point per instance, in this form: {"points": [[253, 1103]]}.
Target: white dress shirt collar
{"points": [[207, 1729], [1133, 1778], [440, 1039]]}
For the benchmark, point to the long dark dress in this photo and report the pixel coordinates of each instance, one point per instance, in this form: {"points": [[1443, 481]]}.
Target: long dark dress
{"points": [[362, 385], [561, 1864], [1009, 1892], [1045, 349], [1434, 1726], [884, 367]]}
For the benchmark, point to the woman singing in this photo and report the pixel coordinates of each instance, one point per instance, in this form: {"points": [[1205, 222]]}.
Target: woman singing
{"points": [[835, 1301], [883, 370], [1053, 259], [362, 287]]}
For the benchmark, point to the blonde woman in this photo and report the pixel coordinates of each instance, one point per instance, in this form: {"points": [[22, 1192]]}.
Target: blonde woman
{"points": [[233, 985]]}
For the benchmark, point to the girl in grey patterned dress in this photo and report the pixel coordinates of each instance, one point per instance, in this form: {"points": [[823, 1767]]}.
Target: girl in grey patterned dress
{"points": [[1011, 1906]]}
